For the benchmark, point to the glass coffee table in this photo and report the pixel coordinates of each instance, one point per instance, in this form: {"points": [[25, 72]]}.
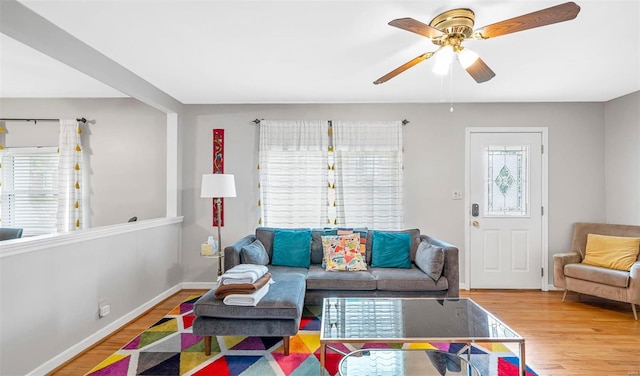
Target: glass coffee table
{"points": [[411, 320], [391, 362]]}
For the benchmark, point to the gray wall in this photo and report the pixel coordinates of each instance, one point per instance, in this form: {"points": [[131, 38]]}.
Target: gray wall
{"points": [[622, 146], [50, 289], [126, 143], [154, 260], [434, 143]]}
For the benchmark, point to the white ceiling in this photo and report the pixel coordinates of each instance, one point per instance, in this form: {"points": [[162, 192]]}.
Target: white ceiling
{"points": [[328, 52]]}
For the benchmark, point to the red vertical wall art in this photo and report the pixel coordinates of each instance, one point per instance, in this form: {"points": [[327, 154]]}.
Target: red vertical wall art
{"points": [[218, 168]]}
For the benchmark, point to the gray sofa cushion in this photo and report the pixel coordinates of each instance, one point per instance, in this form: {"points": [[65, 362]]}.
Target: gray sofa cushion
{"points": [[283, 301], [316, 246], [254, 253], [319, 279], [286, 271], [430, 259], [203, 326], [317, 251], [414, 279], [597, 274], [265, 235]]}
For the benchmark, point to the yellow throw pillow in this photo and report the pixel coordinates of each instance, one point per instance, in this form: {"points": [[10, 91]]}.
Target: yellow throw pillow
{"points": [[613, 252]]}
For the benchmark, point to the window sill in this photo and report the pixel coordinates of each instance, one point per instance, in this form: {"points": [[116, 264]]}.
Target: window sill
{"points": [[15, 247]]}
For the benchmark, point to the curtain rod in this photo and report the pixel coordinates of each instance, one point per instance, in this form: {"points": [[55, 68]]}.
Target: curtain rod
{"points": [[404, 122], [35, 121]]}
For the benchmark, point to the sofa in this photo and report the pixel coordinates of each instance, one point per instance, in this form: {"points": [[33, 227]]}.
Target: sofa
{"points": [[8, 233], [427, 267], [376, 282], [601, 263]]}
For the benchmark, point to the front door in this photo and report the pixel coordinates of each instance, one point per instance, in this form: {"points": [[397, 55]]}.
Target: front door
{"points": [[505, 214]]}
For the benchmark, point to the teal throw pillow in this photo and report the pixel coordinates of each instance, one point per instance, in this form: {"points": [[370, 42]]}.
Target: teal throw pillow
{"points": [[390, 250], [291, 248]]}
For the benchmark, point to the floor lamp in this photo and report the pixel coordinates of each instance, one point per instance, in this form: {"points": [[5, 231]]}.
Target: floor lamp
{"points": [[217, 186]]}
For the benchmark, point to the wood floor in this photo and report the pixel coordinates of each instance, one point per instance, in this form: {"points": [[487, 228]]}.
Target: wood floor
{"points": [[587, 337]]}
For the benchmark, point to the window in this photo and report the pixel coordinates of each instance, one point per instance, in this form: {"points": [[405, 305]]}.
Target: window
{"points": [[314, 174], [368, 174], [506, 183], [28, 194], [293, 173]]}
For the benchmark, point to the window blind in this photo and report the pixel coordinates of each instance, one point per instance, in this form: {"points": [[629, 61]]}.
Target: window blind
{"points": [[293, 173], [313, 174], [28, 194], [368, 174]]}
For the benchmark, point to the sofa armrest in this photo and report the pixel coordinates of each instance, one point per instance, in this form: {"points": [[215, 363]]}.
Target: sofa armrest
{"points": [[634, 283], [451, 269], [559, 261], [232, 251]]}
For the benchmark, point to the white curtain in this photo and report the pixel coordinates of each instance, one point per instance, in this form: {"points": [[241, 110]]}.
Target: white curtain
{"points": [[70, 184], [368, 174], [293, 173]]}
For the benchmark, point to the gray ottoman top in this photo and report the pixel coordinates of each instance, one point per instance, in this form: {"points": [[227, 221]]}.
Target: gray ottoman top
{"points": [[283, 301]]}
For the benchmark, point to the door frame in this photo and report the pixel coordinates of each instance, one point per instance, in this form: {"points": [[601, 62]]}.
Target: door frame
{"points": [[544, 132]]}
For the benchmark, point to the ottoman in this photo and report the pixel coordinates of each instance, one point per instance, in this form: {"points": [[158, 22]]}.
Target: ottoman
{"points": [[276, 315]]}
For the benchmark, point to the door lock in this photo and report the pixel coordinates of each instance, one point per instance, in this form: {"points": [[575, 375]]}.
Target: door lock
{"points": [[475, 224]]}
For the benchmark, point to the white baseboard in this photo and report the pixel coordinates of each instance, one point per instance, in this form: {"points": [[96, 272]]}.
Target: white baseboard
{"points": [[198, 285], [83, 345], [550, 287]]}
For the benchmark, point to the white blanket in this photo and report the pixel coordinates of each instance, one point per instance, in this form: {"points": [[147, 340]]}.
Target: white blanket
{"points": [[243, 273], [247, 299]]}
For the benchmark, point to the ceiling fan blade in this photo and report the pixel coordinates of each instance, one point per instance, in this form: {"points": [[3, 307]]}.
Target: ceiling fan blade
{"points": [[403, 68], [480, 71], [417, 27], [548, 16]]}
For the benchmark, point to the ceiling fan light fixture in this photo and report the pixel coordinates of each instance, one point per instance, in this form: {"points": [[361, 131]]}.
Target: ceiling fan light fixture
{"points": [[466, 57], [449, 29], [444, 57]]}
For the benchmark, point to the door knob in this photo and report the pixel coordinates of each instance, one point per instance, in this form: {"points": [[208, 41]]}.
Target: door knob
{"points": [[475, 224]]}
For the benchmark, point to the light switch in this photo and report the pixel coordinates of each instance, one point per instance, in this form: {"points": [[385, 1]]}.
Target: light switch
{"points": [[456, 195]]}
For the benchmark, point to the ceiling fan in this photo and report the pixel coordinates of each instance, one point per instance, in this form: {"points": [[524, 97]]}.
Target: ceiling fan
{"points": [[449, 29]]}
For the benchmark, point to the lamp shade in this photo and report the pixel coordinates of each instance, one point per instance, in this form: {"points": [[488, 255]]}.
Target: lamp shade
{"points": [[466, 57], [218, 185], [444, 57]]}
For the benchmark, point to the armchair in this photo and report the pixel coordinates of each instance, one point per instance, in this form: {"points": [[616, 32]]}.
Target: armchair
{"points": [[571, 274]]}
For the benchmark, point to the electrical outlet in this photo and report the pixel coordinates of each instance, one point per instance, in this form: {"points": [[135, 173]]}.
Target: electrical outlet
{"points": [[456, 195], [103, 307], [105, 310]]}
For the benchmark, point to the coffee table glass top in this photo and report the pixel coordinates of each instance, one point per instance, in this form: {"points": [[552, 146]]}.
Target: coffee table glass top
{"points": [[411, 319], [387, 362]]}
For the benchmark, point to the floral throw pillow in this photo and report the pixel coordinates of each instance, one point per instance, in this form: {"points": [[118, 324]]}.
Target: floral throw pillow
{"points": [[363, 237], [342, 253], [348, 231]]}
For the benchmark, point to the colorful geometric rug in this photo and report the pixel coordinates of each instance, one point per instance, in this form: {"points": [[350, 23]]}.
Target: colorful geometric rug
{"points": [[168, 348]]}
